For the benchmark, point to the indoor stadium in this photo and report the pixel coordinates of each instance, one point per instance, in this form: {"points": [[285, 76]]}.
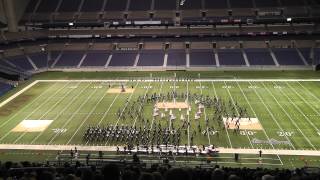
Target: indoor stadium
{"points": [[166, 89]]}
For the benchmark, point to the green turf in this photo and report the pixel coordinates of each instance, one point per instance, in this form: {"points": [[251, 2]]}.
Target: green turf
{"points": [[288, 111]]}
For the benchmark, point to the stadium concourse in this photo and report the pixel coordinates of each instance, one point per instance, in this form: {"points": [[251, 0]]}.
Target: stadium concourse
{"points": [[122, 85]]}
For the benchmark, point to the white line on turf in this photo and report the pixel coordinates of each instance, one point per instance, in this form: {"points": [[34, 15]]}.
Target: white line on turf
{"points": [[234, 105], [293, 122], [309, 92], [79, 108], [153, 118], [107, 111], [33, 111], [141, 105], [51, 107], [216, 95], [87, 117], [255, 115], [125, 106], [271, 114], [61, 112], [33, 101], [114, 148], [299, 109], [189, 114], [18, 93], [205, 115]]}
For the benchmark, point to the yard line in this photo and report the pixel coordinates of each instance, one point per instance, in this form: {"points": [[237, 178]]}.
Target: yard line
{"points": [[237, 112], [34, 100], [255, 114], [294, 123], [271, 114], [205, 115], [43, 115], [34, 110], [64, 109], [82, 104], [188, 115], [306, 89], [299, 109], [87, 117], [157, 101], [125, 106], [135, 120], [216, 95], [106, 112]]}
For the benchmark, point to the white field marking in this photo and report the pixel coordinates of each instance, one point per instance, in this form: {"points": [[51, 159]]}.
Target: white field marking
{"points": [[125, 106], [46, 113], [34, 100], [188, 115], [63, 110], [107, 111], [87, 117], [234, 105], [301, 112], [34, 110], [153, 118], [70, 118], [205, 116], [306, 89], [135, 120], [272, 116], [114, 148], [196, 80], [216, 95], [255, 114], [18, 93], [294, 123]]}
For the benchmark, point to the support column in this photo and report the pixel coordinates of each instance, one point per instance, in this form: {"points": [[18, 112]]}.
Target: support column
{"points": [[11, 15]]}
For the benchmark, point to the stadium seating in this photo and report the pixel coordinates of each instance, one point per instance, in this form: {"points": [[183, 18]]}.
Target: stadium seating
{"points": [[142, 5], [47, 6], [69, 59], [4, 88], [95, 58], [306, 54], [151, 58], [92, 6], [40, 59], [123, 58], [21, 62], [176, 58], [202, 57], [231, 57], [116, 5], [288, 56], [317, 56], [216, 4], [241, 4], [259, 57], [69, 6], [268, 3], [164, 5]]}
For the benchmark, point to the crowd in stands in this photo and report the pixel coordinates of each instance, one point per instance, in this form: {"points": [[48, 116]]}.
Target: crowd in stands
{"points": [[112, 171]]}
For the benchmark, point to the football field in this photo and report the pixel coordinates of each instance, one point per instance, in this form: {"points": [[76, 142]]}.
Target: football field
{"points": [[283, 114]]}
